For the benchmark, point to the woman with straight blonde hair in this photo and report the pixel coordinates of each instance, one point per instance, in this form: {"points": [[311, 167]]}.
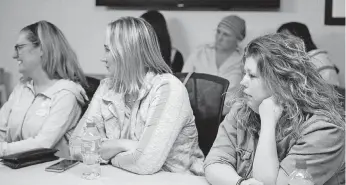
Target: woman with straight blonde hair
{"points": [[46, 105], [142, 111]]}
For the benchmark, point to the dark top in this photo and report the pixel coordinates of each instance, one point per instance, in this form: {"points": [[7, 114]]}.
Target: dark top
{"points": [[177, 61]]}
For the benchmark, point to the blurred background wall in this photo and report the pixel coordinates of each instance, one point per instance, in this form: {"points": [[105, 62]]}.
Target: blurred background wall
{"points": [[83, 23]]}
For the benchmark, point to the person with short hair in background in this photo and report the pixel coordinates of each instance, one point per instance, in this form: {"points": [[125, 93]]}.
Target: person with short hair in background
{"points": [[45, 106], [283, 113], [142, 111], [222, 58]]}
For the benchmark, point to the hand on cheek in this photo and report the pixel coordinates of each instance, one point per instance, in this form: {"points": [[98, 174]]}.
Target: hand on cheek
{"points": [[270, 112]]}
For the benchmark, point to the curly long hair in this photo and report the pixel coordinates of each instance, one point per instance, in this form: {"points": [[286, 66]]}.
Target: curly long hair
{"points": [[284, 66], [299, 30]]}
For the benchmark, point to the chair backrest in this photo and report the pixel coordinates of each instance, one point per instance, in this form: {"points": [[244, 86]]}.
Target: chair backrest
{"points": [[2, 76], [341, 91], [93, 84], [207, 96]]}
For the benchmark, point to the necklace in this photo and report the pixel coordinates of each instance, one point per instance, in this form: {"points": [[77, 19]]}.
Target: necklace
{"points": [[129, 100]]}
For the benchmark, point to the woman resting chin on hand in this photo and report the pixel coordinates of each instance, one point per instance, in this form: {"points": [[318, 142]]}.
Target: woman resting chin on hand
{"points": [[284, 112]]}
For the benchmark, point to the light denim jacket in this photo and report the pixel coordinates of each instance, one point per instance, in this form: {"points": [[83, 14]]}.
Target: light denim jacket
{"points": [[161, 119], [321, 144], [45, 120]]}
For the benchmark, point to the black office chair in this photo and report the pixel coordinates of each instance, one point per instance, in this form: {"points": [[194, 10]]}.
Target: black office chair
{"points": [[93, 84], [207, 97], [341, 91]]}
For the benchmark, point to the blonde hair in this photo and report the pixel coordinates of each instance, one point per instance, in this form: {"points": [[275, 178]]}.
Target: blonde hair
{"points": [[59, 60], [293, 81], [136, 51]]}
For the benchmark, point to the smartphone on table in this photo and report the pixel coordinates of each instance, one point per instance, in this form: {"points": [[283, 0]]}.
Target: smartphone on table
{"points": [[62, 165]]}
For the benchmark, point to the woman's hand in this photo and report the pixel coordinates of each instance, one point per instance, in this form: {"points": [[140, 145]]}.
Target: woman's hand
{"points": [[270, 112], [128, 145], [108, 149], [111, 148], [251, 181], [266, 163]]}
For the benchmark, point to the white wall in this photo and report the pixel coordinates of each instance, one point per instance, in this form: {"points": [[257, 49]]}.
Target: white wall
{"points": [[84, 25]]}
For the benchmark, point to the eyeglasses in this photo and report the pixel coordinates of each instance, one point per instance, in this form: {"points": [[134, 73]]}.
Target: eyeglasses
{"points": [[17, 47]]}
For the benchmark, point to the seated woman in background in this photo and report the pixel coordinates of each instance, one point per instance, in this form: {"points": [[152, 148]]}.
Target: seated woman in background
{"points": [[285, 112], [319, 58], [223, 58], [46, 105], [142, 111], [171, 55]]}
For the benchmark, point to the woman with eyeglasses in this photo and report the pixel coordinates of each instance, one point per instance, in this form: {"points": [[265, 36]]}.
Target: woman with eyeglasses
{"points": [[142, 111], [45, 106]]}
